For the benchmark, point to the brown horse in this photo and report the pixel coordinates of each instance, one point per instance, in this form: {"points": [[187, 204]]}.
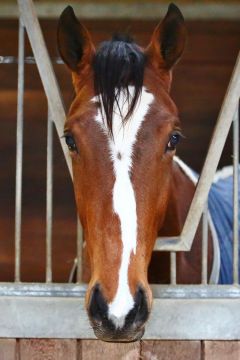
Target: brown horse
{"points": [[122, 130]]}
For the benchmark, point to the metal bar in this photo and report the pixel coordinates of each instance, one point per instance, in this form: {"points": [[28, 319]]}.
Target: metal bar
{"points": [[19, 152], [173, 270], [147, 10], [168, 243], [49, 194], [79, 251], [42, 289], [195, 291], [27, 60], [205, 245], [235, 196], [31, 23], [159, 291], [73, 271], [184, 242]]}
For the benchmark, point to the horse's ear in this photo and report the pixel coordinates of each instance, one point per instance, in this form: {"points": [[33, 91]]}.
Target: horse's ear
{"points": [[74, 41], [168, 39]]}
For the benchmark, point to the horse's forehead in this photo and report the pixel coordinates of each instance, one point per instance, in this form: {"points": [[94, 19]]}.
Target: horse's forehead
{"points": [[156, 108]]}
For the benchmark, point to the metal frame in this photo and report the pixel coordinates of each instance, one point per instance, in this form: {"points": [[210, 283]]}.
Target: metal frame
{"points": [[150, 10], [179, 312], [19, 152]]}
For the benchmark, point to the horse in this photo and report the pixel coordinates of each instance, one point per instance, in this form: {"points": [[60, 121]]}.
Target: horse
{"points": [[122, 131]]}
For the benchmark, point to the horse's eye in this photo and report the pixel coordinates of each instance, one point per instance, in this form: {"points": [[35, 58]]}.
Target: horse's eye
{"points": [[173, 141], [70, 143]]}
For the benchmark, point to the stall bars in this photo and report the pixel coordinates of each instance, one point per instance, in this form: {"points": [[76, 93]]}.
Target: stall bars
{"points": [[179, 312]]}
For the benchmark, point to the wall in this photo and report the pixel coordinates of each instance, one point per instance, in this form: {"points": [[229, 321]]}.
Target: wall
{"points": [[35, 349]]}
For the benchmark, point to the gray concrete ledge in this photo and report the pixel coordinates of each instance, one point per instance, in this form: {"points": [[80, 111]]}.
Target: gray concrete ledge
{"points": [[181, 319]]}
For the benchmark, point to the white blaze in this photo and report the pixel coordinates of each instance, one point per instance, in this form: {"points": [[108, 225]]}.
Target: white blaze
{"points": [[124, 202]]}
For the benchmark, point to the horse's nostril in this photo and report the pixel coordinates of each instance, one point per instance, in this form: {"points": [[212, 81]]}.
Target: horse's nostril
{"points": [[139, 314], [98, 307], [143, 311]]}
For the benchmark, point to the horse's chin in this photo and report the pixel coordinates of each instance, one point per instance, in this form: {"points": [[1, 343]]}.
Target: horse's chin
{"points": [[119, 337]]}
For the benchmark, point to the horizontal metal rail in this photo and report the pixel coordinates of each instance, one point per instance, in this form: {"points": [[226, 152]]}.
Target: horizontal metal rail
{"points": [[159, 291], [27, 60], [147, 10]]}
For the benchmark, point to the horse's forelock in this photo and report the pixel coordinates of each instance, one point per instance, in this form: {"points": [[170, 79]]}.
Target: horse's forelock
{"points": [[117, 64]]}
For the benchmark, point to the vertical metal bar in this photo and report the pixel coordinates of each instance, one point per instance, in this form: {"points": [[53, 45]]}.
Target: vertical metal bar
{"points": [[235, 195], [79, 251], [173, 264], [205, 245], [19, 152], [35, 36], [49, 193]]}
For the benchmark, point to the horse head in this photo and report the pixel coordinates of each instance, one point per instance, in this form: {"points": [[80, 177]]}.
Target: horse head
{"points": [[122, 130]]}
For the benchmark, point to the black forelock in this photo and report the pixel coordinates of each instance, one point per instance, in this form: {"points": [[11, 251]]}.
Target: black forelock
{"points": [[117, 64]]}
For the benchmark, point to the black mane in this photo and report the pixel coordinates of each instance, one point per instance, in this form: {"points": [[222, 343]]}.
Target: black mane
{"points": [[117, 64]]}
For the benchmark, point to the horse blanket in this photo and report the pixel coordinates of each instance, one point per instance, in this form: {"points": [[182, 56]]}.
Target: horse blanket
{"points": [[220, 218], [220, 204]]}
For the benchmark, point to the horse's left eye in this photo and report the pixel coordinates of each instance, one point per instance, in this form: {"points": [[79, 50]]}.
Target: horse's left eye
{"points": [[173, 141], [70, 143]]}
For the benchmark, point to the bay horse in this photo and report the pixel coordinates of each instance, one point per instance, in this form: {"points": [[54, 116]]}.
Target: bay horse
{"points": [[122, 131]]}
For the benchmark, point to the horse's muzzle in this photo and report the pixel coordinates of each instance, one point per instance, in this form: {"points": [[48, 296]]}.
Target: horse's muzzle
{"points": [[105, 329]]}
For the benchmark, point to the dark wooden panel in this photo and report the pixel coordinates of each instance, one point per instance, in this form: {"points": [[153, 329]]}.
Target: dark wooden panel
{"points": [[208, 41], [99, 350], [221, 350], [39, 349], [8, 349], [171, 350]]}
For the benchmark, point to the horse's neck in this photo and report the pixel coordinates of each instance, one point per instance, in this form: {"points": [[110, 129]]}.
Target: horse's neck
{"points": [[180, 196], [181, 192]]}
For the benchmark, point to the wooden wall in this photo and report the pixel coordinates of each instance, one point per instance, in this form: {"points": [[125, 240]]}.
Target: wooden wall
{"points": [[200, 81], [40, 349]]}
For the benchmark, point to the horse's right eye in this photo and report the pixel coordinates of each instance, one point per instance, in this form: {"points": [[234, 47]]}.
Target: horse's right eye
{"points": [[70, 143]]}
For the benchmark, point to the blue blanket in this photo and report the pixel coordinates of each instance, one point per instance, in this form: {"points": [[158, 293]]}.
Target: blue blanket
{"points": [[220, 203]]}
